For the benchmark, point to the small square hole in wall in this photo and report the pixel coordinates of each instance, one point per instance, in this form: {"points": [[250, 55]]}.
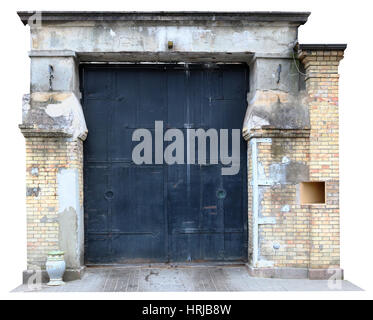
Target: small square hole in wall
{"points": [[312, 192]]}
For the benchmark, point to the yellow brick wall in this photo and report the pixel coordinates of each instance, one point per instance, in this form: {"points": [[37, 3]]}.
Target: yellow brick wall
{"points": [[44, 157], [322, 89], [303, 236], [280, 200], [291, 231], [308, 235]]}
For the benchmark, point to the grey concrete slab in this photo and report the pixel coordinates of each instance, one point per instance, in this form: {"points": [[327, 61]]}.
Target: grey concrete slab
{"points": [[184, 279]]}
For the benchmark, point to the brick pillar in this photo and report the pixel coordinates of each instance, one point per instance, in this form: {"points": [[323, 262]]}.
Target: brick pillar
{"points": [[54, 128], [54, 199], [321, 64], [277, 128]]}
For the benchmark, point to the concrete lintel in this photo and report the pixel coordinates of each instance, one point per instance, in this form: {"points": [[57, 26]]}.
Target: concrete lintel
{"points": [[172, 56], [179, 56], [297, 18]]}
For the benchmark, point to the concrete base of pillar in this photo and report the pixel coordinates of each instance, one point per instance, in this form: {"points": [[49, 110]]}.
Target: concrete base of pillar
{"points": [[296, 273], [326, 274], [278, 273], [30, 276]]}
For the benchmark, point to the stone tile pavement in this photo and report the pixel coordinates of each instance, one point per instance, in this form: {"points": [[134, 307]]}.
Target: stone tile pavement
{"points": [[184, 279]]}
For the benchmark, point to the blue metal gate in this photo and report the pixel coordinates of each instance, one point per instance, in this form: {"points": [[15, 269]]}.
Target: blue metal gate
{"points": [[161, 213]]}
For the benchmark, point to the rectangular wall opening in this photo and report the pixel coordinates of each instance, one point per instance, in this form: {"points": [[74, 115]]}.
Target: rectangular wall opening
{"points": [[312, 192]]}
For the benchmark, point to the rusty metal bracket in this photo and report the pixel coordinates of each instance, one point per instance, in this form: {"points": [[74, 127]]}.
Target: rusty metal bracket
{"points": [[51, 77]]}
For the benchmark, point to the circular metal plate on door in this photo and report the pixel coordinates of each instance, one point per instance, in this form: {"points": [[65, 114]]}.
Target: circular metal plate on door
{"points": [[109, 195], [221, 194]]}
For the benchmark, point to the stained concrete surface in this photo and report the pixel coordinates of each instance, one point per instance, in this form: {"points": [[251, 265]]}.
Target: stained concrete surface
{"points": [[184, 279]]}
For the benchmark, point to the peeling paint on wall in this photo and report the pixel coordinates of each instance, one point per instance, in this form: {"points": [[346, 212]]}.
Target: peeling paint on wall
{"points": [[285, 208], [32, 191], [34, 171], [70, 216], [277, 109], [56, 111], [290, 172], [68, 232]]}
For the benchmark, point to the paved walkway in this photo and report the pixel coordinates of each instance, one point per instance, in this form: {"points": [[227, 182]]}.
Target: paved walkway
{"points": [[166, 279]]}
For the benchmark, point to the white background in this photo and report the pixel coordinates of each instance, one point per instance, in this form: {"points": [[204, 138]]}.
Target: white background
{"points": [[330, 22]]}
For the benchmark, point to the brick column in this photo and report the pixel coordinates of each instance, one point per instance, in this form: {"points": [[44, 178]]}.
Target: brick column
{"points": [[277, 129], [54, 199], [321, 64], [54, 128]]}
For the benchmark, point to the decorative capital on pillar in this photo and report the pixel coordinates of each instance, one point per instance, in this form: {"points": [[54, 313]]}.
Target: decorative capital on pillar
{"points": [[320, 59], [53, 114]]}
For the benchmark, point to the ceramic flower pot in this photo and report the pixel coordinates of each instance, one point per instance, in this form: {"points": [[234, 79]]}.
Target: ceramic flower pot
{"points": [[56, 267]]}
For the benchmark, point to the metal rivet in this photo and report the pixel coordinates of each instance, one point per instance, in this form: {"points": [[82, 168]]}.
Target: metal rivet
{"points": [[221, 194], [109, 195]]}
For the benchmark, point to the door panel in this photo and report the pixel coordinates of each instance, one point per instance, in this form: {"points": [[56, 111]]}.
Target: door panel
{"points": [[161, 213]]}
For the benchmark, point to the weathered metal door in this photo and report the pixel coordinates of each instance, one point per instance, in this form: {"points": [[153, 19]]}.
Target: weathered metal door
{"points": [[158, 212]]}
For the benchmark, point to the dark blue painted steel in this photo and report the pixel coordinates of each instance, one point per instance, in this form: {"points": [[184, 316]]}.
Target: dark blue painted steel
{"points": [[161, 213]]}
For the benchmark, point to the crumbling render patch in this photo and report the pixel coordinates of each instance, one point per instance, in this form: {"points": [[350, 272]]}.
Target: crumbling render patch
{"points": [[276, 109], [70, 215], [55, 111], [291, 172], [32, 191]]}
